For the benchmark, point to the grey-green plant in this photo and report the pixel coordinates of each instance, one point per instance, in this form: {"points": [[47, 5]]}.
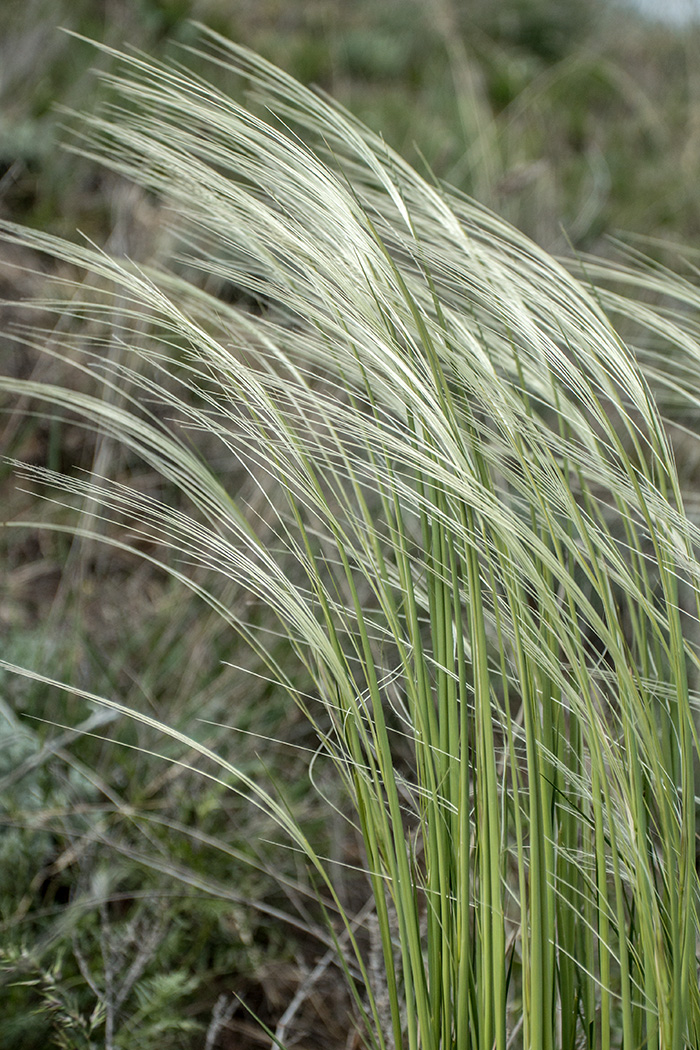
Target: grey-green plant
{"points": [[468, 523]]}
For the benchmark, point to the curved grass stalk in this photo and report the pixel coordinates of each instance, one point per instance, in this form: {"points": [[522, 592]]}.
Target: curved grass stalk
{"points": [[479, 540]]}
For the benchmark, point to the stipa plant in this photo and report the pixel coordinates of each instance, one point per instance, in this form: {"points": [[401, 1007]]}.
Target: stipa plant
{"points": [[473, 539]]}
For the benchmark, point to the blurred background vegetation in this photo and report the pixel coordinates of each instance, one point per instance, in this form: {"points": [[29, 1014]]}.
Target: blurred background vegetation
{"points": [[137, 899], [574, 118]]}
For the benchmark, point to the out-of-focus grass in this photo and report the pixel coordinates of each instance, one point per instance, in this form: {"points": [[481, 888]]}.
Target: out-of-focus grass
{"points": [[571, 119]]}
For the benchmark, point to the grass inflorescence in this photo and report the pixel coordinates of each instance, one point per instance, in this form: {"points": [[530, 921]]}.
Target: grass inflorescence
{"points": [[459, 507]]}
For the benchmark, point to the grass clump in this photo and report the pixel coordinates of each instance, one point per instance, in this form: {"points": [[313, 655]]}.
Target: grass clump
{"points": [[462, 545]]}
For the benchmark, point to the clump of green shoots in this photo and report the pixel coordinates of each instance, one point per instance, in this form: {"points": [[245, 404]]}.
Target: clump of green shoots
{"points": [[474, 540]]}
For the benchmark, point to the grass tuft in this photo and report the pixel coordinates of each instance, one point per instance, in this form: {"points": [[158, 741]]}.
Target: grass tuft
{"points": [[458, 500]]}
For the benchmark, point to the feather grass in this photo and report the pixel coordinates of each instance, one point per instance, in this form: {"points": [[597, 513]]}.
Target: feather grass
{"points": [[478, 541]]}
